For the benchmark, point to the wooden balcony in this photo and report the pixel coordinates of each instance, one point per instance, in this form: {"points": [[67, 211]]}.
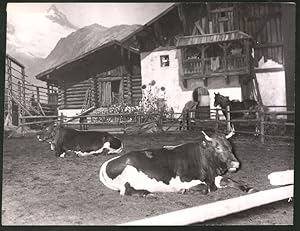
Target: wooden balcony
{"points": [[215, 66]]}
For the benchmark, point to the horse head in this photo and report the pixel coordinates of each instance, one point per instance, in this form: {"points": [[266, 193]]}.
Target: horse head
{"points": [[221, 100]]}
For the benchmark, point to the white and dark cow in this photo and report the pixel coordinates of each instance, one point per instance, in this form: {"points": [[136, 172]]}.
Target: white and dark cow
{"points": [[83, 143], [197, 166]]}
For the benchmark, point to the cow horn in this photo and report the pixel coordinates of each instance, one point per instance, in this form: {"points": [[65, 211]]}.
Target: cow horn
{"points": [[206, 136], [231, 133]]}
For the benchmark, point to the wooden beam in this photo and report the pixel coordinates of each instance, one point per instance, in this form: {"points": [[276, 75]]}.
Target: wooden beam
{"points": [[223, 9], [205, 81], [198, 26], [208, 11], [194, 31], [227, 79], [218, 209], [106, 79], [269, 45], [267, 70], [182, 18], [210, 24], [213, 74]]}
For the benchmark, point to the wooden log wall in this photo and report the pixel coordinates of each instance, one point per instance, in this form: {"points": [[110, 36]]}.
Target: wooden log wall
{"points": [[136, 89], [263, 23], [72, 95], [127, 91]]}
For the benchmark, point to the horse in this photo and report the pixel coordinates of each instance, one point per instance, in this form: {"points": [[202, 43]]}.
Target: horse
{"points": [[236, 105]]}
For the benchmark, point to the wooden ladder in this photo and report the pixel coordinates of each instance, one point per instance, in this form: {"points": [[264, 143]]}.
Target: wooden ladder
{"points": [[87, 100]]}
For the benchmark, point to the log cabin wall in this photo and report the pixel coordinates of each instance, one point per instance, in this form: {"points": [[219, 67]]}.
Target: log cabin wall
{"points": [[121, 84], [136, 83], [71, 95]]}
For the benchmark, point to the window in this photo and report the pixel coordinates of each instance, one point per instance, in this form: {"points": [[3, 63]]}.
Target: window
{"points": [[164, 61]]}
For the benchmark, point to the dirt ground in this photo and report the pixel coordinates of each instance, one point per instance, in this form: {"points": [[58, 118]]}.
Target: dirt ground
{"points": [[41, 189]]}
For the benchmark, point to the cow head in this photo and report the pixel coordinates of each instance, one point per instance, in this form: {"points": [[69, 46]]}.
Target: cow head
{"points": [[47, 133], [223, 150]]}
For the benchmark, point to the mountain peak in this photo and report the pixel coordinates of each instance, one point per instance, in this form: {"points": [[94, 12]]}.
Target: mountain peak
{"points": [[58, 17], [52, 8]]}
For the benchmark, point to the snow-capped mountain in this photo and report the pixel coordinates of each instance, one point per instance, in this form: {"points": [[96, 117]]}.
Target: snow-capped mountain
{"points": [[26, 32], [28, 41]]}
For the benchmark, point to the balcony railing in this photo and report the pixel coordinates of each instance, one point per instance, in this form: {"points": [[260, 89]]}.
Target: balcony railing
{"points": [[215, 66]]}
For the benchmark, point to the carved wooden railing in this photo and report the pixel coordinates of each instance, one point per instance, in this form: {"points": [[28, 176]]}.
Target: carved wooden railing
{"points": [[216, 65]]}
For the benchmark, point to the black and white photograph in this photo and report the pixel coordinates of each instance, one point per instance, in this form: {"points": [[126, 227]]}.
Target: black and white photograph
{"points": [[148, 114]]}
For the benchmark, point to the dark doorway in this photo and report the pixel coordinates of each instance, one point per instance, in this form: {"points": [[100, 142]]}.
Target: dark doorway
{"points": [[110, 93]]}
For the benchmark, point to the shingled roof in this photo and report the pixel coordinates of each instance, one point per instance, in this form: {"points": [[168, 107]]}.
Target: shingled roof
{"points": [[211, 38]]}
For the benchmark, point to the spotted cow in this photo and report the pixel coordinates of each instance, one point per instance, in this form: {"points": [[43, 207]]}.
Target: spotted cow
{"points": [[190, 167], [65, 140]]}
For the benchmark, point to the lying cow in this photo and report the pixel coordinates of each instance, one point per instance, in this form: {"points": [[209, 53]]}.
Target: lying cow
{"points": [[83, 143], [192, 167]]}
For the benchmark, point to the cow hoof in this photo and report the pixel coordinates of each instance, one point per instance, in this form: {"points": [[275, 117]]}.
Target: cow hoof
{"points": [[252, 190], [150, 196], [183, 191], [61, 155]]}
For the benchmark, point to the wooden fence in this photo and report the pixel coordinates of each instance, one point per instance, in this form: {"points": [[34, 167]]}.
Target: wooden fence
{"points": [[29, 99], [266, 124]]}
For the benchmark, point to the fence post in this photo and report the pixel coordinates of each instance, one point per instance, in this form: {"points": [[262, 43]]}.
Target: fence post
{"points": [[22, 126], [38, 94], [217, 119], [23, 89], [139, 117], [262, 127], [8, 119], [61, 119], [228, 118], [19, 107]]}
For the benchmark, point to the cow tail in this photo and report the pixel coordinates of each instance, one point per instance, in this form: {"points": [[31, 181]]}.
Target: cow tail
{"points": [[104, 178]]}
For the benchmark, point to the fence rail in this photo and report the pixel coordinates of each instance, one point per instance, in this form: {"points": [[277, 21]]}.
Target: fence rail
{"points": [[264, 125], [30, 99]]}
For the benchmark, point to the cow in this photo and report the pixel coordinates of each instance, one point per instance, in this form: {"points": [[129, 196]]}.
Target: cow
{"points": [[64, 140], [195, 167]]}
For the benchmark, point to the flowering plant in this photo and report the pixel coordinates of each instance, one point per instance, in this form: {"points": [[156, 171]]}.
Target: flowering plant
{"points": [[153, 101]]}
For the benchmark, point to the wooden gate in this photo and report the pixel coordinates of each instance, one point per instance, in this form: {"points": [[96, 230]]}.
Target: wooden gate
{"points": [[104, 93]]}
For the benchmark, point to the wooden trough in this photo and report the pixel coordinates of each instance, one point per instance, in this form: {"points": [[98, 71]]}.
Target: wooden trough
{"points": [[218, 209]]}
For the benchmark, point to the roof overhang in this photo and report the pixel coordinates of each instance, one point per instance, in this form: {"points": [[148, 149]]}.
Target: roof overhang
{"points": [[211, 38], [44, 76]]}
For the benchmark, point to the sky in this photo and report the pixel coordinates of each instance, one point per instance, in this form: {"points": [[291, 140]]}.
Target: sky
{"points": [[83, 14], [31, 33]]}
